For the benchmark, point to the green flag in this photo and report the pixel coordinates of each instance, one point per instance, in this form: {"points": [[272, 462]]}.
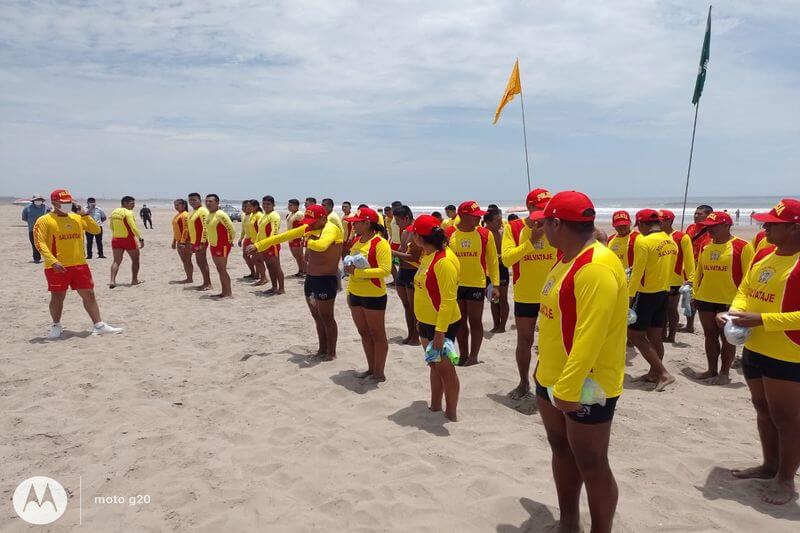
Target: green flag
{"points": [[704, 55]]}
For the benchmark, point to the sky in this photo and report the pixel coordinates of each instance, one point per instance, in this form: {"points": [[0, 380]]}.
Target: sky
{"points": [[372, 101]]}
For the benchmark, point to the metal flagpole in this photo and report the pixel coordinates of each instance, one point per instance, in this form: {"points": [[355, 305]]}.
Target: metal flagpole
{"points": [[689, 171], [525, 137]]}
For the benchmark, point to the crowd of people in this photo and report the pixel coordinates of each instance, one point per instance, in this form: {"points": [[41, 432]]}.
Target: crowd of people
{"points": [[589, 295]]}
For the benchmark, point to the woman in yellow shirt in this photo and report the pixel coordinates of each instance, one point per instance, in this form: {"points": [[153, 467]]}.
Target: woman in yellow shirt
{"points": [[436, 308], [366, 289], [180, 237], [768, 301]]}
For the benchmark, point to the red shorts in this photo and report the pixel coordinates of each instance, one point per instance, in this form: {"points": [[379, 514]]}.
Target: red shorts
{"points": [[124, 243], [223, 249], [274, 251], [297, 243], [196, 247], [76, 277]]}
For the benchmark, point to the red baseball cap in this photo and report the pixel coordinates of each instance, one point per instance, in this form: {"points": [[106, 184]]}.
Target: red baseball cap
{"points": [[647, 215], [620, 218], [365, 214], [424, 224], [716, 218], [61, 196], [313, 213], [470, 208], [786, 212], [666, 214], [538, 198], [573, 206]]}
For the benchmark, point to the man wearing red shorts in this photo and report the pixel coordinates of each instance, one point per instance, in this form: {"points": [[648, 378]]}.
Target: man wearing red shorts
{"points": [[124, 236], [221, 235], [293, 219], [59, 237]]}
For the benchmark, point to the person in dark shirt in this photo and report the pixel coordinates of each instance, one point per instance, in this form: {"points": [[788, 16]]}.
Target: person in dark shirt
{"points": [[146, 215]]}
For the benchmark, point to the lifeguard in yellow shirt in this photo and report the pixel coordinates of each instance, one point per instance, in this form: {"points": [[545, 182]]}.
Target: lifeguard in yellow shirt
{"points": [[244, 235], [221, 236], [475, 249], [198, 239], [59, 237], [366, 289], [582, 322], [180, 237], [124, 237], [436, 308], [721, 265], [529, 255], [269, 225], [654, 259], [768, 301], [324, 243], [683, 272]]}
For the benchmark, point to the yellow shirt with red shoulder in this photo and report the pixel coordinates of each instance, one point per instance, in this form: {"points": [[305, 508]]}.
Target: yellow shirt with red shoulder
{"points": [[254, 225], [219, 228], [684, 264], [530, 262], [197, 226], [369, 282], [623, 247], [760, 241], [693, 230], [771, 287], [583, 324], [477, 253], [654, 257], [179, 226], [60, 239], [436, 288], [720, 270], [269, 225], [329, 235], [123, 224]]}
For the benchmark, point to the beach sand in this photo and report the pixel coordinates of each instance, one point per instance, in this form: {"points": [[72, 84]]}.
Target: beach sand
{"points": [[215, 411]]}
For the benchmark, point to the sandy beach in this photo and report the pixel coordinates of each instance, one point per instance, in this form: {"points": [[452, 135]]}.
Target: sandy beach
{"points": [[214, 410]]}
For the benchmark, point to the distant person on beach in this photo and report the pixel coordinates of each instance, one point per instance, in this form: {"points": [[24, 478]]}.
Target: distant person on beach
{"points": [[271, 225], [683, 272], [30, 214], [475, 249], [493, 221], [530, 256], [65, 265], [99, 216], [581, 336], [768, 301], [366, 289], [720, 268], [180, 237], [437, 215], [347, 210], [409, 255], [324, 244], [310, 201], [738, 214], [655, 254], [436, 309], [147, 216], [452, 215], [700, 238], [293, 220], [125, 238], [752, 214], [198, 238], [512, 217], [221, 236], [623, 242]]}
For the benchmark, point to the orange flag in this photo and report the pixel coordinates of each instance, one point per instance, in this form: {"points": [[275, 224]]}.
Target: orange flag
{"points": [[514, 87]]}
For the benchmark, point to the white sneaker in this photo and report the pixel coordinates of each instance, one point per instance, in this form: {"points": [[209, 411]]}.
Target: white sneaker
{"points": [[55, 331], [105, 329]]}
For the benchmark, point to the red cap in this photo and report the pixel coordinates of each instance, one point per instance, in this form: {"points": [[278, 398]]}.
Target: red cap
{"points": [[365, 214], [716, 218], [538, 198], [666, 214], [573, 206], [313, 213], [647, 215], [423, 225], [620, 218], [61, 196], [787, 211], [470, 208]]}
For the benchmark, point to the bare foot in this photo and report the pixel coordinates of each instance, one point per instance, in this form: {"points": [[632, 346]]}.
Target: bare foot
{"points": [[221, 296], [137, 282], [686, 329], [779, 492], [260, 283], [471, 362], [379, 379], [522, 391], [112, 285], [451, 417], [185, 281], [565, 527], [669, 340], [755, 472], [327, 357], [722, 379], [280, 292], [663, 381], [411, 341], [204, 288], [364, 374], [691, 373], [646, 378], [435, 409], [320, 353]]}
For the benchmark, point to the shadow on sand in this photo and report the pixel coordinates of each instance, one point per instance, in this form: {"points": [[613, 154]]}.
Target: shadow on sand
{"points": [[541, 519], [419, 416], [526, 406], [67, 334], [349, 380], [721, 485]]}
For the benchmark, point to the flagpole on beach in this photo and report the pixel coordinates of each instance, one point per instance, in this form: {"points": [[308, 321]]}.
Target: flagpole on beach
{"points": [[525, 139], [705, 54]]}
